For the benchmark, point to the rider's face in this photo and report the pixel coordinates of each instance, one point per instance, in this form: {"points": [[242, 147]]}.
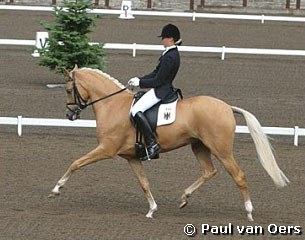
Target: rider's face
{"points": [[167, 42]]}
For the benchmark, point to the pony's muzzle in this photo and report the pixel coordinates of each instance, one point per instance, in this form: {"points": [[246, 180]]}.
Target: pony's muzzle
{"points": [[73, 113]]}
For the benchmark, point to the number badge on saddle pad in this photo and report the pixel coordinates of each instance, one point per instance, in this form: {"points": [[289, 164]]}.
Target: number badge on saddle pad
{"points": [[167, 113]]}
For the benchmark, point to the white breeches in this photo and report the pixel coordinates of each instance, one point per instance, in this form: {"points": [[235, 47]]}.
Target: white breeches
{"points": [[148, 100]]}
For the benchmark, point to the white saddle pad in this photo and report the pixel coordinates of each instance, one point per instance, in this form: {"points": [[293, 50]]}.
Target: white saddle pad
{"points": [[167, 113]]}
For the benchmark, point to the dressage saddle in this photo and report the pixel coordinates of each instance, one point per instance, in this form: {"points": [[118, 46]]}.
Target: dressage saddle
{"points": [[152, 117]]}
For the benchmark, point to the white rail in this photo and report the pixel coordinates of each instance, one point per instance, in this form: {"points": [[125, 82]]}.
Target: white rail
{"points": [[20, 122], [192, 15], [134, 47]]}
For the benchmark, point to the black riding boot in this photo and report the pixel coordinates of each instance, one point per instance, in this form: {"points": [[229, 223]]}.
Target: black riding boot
{"points": [[153, 148]]}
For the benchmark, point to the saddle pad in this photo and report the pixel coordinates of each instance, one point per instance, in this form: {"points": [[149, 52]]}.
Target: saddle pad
{"points": [[167, 113]]}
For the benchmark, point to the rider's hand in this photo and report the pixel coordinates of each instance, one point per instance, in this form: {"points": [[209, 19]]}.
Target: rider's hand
{"points": [[134, 82]]}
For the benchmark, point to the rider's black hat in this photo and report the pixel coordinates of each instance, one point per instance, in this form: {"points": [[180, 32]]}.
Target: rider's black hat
{"points": [[170, 30]]}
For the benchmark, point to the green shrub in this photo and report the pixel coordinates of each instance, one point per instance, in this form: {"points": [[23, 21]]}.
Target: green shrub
{"points": [[68, 43]]}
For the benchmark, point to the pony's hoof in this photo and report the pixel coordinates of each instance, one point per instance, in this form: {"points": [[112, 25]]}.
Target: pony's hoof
{"points": [[151, 211], [149, 215], [183, 203], [250, 218], [53, 194]]}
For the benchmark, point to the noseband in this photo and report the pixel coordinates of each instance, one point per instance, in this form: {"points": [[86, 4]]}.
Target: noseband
{"points": [[80, 102]]}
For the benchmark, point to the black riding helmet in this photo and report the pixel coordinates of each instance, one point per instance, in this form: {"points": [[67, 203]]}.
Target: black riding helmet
{"points": [[171, 30]]}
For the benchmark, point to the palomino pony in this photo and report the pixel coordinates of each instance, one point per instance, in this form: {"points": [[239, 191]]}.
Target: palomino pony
{"points": [[206, 123]]}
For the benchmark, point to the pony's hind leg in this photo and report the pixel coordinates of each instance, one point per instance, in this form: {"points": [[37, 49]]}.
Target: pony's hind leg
{"points": [[203, 155], [240, 179]]}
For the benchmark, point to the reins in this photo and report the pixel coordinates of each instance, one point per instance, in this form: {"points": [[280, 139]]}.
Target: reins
{"points": [[102, 98], [80, 102]]}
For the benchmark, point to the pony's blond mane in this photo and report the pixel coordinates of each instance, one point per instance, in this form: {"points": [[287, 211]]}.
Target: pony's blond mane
{"points": [[106, 75]]}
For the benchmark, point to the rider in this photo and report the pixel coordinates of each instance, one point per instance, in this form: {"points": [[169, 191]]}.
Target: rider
{"points": [[160, 81]]}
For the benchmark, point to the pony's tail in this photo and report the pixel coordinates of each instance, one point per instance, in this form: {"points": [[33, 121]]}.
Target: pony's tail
{"points": [[263, 148]]}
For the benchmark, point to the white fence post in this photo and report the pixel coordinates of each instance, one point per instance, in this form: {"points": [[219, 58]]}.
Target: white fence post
{"points": [[19, 124], [296, 135], [194, 16], [223, 53], [134, 49]]}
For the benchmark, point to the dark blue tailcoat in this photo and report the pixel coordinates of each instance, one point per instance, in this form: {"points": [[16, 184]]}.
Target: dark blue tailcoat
{"points": [[161, 79]]}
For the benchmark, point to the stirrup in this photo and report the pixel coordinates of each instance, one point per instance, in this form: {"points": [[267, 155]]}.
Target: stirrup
{"points": [[152, 152]]}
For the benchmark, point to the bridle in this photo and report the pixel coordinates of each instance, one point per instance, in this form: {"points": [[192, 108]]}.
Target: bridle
{"points": [[79, 101]]}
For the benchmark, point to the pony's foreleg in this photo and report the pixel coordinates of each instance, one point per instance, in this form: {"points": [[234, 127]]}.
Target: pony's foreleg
{"points": [[93, 156], [137, 167], [203, 156], [61, 182]]}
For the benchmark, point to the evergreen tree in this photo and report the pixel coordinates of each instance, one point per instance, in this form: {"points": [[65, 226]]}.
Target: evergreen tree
{"points": [[68, 43]]}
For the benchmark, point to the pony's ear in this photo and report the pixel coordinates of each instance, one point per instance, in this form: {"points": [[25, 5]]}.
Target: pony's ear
{"points": [[75, 67], [66, 72]]}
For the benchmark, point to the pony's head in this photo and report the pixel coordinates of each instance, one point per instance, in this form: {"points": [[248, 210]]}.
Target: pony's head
{"points": [[74, 103], [84, 83]]}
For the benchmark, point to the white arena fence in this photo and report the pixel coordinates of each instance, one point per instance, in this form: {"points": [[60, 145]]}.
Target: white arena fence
{"points": [[20, 121], [134, 47], [192, 15], [48, 122]]}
